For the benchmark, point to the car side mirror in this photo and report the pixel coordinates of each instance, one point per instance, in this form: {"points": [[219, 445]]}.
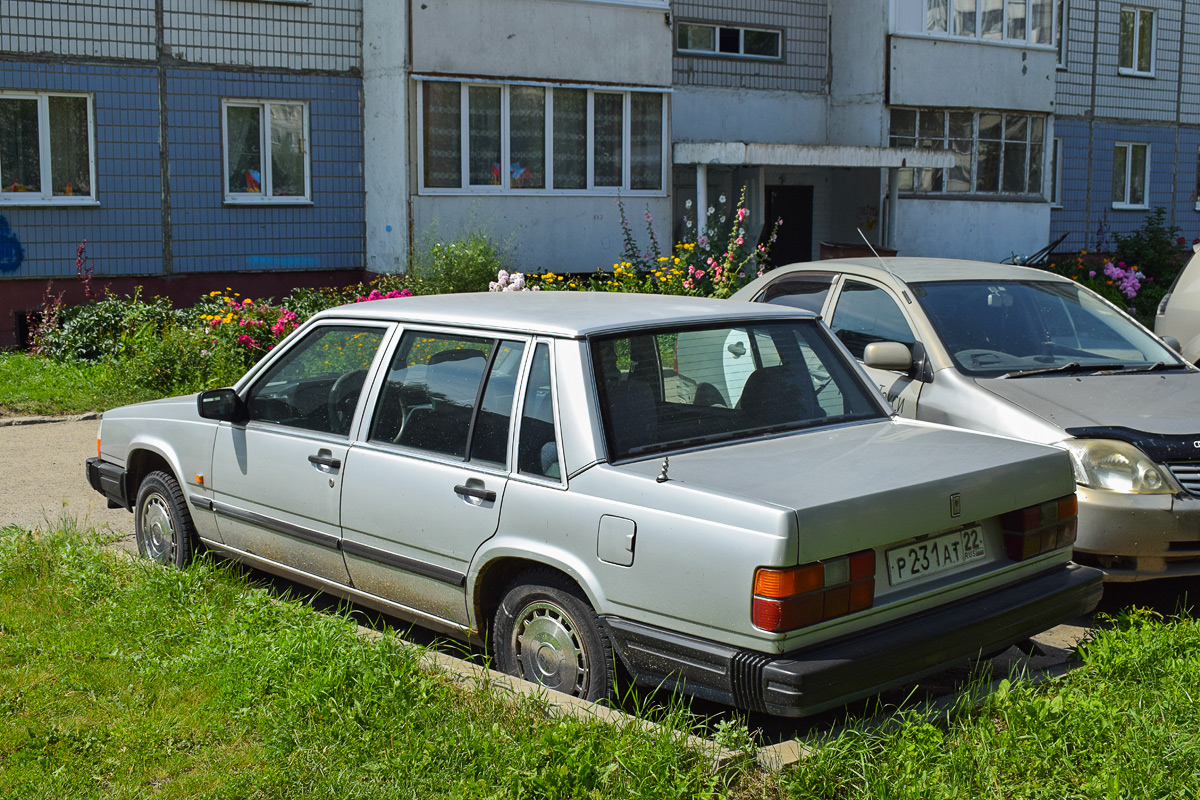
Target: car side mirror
{"points": [[1173, 343], [888, 355], [222, 405]]}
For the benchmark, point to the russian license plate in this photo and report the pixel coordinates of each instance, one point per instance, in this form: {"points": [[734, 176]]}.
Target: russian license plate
{"points": [[911, 561]]}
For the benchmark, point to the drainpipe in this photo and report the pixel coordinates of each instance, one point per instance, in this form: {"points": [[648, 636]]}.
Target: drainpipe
{"points": [[701, 199], [893, 195]]}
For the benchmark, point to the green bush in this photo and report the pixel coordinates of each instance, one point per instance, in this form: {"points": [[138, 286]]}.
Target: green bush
{"points": [[466, 265]]}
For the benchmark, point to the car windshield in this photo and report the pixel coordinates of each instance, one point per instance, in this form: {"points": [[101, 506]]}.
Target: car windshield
{"points": [[670, 389], [1017, 328]]}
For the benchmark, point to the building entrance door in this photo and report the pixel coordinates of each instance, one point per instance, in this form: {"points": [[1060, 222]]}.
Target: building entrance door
{"points": [[794, 205]]}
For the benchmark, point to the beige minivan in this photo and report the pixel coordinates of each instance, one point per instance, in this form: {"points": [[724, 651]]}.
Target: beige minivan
{"points": [[1178, 315]]}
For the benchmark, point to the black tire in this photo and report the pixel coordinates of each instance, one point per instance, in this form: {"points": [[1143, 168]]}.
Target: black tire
{"points": [[572, 654], [162, 523]]}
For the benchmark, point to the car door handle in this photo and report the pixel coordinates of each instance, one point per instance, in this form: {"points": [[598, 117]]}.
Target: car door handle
{"points": [[323, 460], [487, 495]]}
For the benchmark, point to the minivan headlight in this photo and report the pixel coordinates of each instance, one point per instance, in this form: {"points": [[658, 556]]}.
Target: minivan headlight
{"points": [[1116, 466]]}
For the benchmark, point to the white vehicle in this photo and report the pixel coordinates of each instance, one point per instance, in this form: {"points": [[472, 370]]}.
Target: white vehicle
{"points": [[594, 481]]}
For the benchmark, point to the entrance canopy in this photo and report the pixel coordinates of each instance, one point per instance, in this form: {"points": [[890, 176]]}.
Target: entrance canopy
{"points": [[807, 155]]}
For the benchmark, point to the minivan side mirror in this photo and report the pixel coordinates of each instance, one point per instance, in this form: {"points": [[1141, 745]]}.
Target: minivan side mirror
{"points": [[1173, 343], [888, 355], [222, 405]]}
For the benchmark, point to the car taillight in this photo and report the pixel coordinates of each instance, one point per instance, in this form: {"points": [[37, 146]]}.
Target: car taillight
{"points": [[1039, 529], [793, 597]]}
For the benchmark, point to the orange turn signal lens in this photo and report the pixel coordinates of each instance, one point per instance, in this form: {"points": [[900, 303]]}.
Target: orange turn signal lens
{"points": [[794, 597]]}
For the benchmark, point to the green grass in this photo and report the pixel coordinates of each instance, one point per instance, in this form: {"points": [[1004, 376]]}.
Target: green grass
{"points": [[121, 679], [32, 386]]}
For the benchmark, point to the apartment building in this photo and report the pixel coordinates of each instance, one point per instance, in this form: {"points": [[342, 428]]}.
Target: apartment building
{"points": [[185, 140], [1127, 119]]}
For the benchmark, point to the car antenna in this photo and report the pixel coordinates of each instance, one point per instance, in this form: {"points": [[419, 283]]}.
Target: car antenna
{"points": [[883, 263], [875, 252]]}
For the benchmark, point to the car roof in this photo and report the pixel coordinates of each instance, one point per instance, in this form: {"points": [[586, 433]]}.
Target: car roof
{"points": [[918, 270], [562, 314]]}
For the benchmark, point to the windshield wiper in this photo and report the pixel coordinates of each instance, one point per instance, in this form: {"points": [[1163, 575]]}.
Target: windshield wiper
{"points": [[1070, 366], [1155, 367]]}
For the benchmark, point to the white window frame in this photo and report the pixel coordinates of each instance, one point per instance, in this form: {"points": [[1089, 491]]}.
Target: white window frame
{"points": [[505, 187], [45, 196], [741, 31], [1126, 203], [1063, 45], [976, 35], [1197, 190], [1137, 12], [267, 195], [1054, 173], [974, 191]]}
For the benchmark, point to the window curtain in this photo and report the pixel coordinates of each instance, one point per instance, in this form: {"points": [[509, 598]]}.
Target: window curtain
{"points": [[20, 164], [527, 137], [287, 150], [483, 118], [645, 146], [570, 138], [609, 127], [243, 125], [441, 107]]}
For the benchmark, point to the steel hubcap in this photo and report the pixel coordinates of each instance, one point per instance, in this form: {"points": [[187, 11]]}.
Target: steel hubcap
{"points": [[158, 530], [548, 649]]}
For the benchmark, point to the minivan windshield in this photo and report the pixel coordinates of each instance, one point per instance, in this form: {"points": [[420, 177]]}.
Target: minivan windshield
{"points": [[669, 389], [1019, 328]]}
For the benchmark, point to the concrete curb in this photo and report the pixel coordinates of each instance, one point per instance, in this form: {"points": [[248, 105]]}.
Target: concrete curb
{"points": [[6, 422]]}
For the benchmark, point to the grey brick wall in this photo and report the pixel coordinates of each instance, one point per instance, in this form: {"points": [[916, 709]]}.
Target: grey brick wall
{"points": [[86, 28], [805, 63], [318, 35]]}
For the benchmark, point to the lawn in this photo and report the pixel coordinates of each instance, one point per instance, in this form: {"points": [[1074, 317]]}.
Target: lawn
{"points": [[32, 386], [119, 679]]}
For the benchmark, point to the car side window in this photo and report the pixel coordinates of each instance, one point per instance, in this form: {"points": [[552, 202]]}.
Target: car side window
{"points": [[867, 314], [435, 397], [538, 447], [316, 384], [803, 290]]}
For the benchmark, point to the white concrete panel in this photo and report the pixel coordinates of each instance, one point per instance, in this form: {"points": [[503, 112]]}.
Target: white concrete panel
{"points": [[981, 230], [386, 135], [944, 73], [543, 40], [736, 115], [556, 234]]}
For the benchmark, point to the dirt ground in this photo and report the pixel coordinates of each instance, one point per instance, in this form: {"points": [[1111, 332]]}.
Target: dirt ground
{"points": [[42, 477]]}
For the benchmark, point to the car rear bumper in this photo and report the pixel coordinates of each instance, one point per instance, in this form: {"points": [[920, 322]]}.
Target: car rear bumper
{"points": [[833, 673], [109, 480]]}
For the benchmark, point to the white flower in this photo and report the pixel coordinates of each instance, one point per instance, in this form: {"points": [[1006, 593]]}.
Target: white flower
{"points": [[721, 199], [688, 205], [711, 211]]}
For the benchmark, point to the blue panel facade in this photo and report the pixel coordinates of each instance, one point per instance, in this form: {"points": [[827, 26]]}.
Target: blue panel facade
{"points": [[124, 232], [1087, 215], [210, 236]]}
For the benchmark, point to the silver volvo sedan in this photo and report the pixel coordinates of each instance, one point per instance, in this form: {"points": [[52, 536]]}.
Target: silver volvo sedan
{"points": [[1026, 353], [705, 494]]}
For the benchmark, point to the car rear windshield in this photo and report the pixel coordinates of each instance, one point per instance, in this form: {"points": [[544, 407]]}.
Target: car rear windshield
{"points": [[670, 389], [993, 328]]}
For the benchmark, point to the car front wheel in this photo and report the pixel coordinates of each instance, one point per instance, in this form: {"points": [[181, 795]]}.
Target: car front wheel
{"points": [[162, 523], [546, 632]]}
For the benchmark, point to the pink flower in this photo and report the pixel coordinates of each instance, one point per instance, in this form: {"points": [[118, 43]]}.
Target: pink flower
{"points": [[739, 241], [741, 215], [699, 273]]}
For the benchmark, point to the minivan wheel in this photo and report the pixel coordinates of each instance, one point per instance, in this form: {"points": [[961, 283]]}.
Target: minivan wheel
{"points": [[162, 523], [545, 632]]}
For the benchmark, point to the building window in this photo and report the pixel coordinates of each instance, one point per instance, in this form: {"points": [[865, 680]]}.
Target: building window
{"points": [[1056, 166], [532, 139], [1197, 192], [47, 146], [1028, 21], [994, 153], [1131, 175], [726, 41], [266, 152], [1060, 31], [1136, 48]]}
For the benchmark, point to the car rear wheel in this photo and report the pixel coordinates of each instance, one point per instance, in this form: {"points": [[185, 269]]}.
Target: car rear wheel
{"points": [[162, 523], [546, 632]]}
